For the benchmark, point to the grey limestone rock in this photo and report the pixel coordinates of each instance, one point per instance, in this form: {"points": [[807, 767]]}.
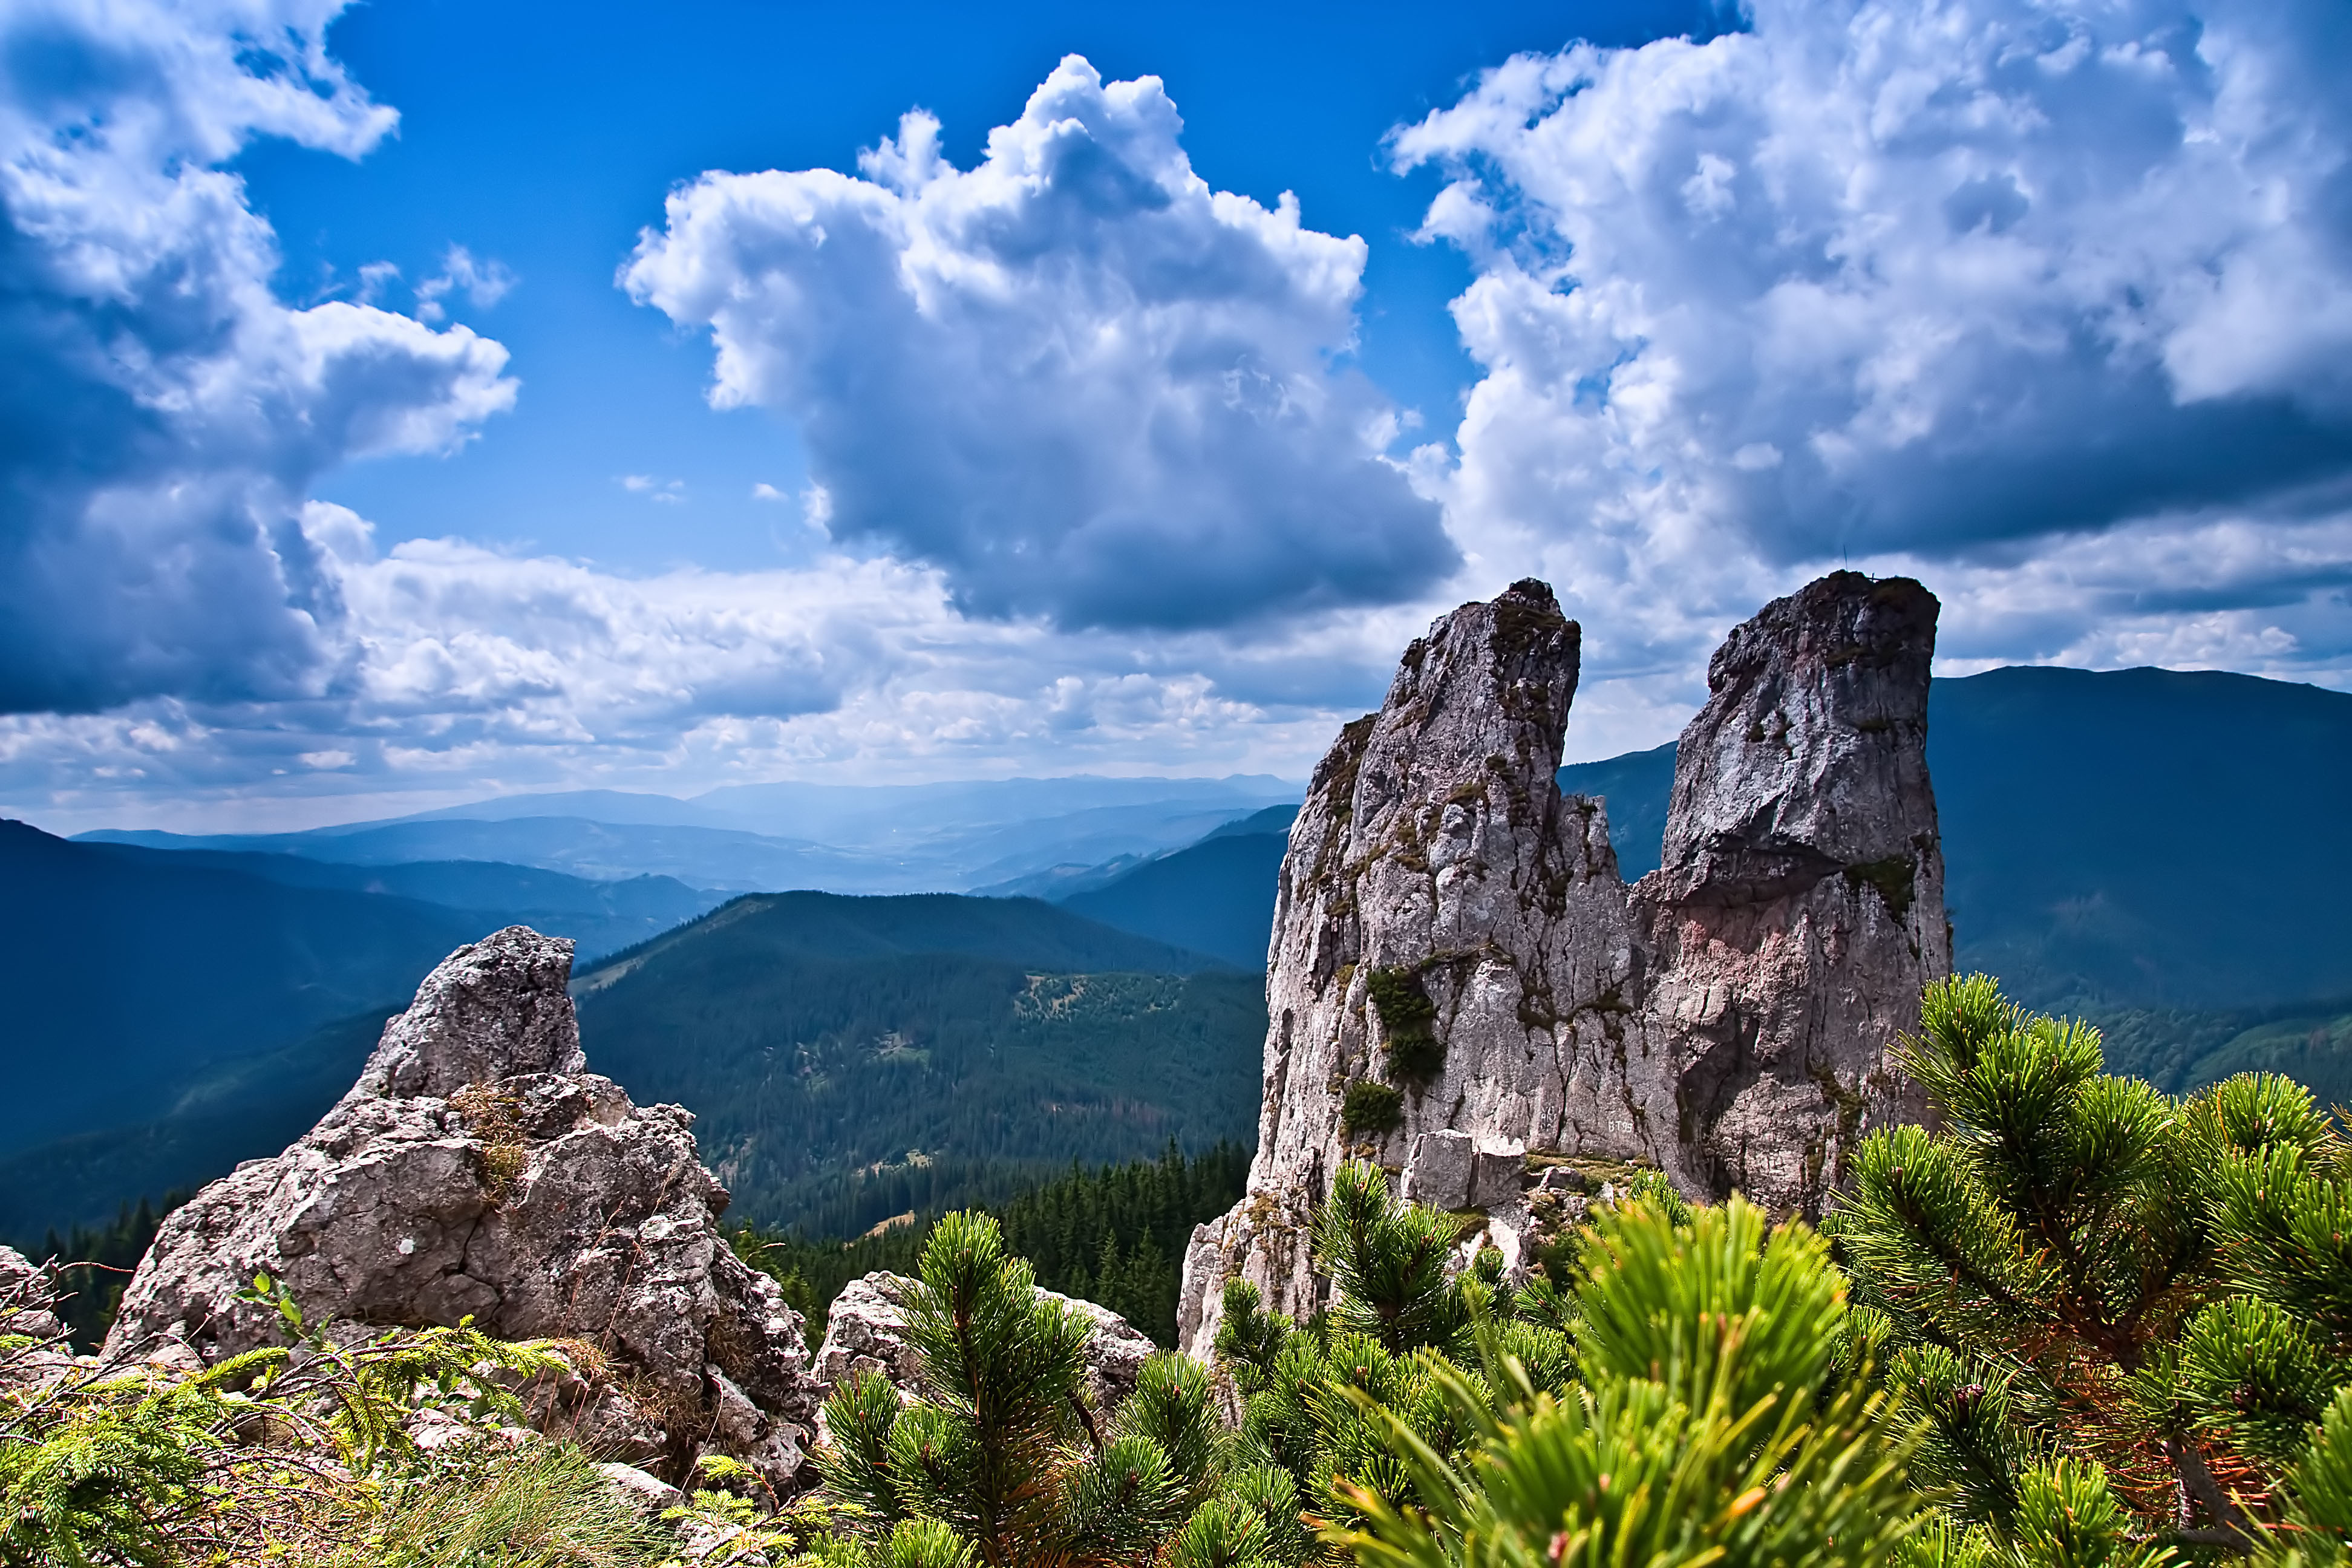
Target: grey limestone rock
{"points": [[1439, 1171], [866, 1331], [27, 1298], [1451, 1170], [28, 1316], [1728, 1020], [1799, 908], [477, 1170]]}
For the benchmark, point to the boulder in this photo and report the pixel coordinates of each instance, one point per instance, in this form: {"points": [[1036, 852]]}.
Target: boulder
{"points": [[1448, 923], [1497, 1177], [28, 1299], [1438, 1173], [476, 1170], [866, 1331]]}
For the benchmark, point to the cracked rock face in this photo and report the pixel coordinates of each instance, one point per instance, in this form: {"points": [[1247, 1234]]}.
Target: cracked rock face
{"points": [[1454, 942], [866, 1331], [477, 1170]]}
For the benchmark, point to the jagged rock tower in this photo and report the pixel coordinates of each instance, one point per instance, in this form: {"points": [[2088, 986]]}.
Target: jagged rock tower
{"points": [[1459, 977]]}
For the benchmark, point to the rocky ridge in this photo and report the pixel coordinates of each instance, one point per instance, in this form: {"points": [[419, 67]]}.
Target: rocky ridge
{"points": [[1462, 987], [476, 1169]]}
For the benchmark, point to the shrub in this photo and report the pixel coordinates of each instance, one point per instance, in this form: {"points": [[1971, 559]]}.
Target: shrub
{"points": [[1005, 1461], [1371, 1107], [1408, 1024]]}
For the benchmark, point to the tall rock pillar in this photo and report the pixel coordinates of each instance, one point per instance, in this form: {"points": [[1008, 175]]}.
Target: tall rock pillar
{"points": [[1459, 977], [1799, 908]]}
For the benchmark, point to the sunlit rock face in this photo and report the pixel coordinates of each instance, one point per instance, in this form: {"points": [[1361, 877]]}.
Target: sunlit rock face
{"points": [[478, 1169], [1461, 983]]}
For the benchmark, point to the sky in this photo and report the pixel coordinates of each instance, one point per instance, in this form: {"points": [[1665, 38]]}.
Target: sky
{"points": [[415, 401]]}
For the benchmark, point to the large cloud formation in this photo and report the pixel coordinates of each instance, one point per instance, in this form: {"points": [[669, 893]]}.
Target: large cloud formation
{"points": [[2050, 301], [161, 413], [466, 672], [1075, 378]]}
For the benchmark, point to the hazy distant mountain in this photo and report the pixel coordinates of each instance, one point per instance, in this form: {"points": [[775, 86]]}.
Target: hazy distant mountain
{"points": [[601, 916], [772, 837], [715, 858]]}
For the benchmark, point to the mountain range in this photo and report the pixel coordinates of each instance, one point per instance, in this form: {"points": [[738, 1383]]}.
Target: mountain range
{"points": [[890, 838], [849, 1058], [2160, 851]]}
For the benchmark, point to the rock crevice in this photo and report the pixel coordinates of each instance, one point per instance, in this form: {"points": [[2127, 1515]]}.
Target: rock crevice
{"points": [[1727, 1019]]}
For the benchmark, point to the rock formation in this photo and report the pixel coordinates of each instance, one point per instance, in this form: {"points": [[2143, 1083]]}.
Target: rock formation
{"points": [[866, 1331], [32, 1351], [478, 1170], [1460, 981], [27, 1299]]}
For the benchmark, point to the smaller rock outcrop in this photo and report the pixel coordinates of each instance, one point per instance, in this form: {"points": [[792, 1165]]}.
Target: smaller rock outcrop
{"points": [[28, 1316], [28, 1299], [867, 1331], [476, 1170]]}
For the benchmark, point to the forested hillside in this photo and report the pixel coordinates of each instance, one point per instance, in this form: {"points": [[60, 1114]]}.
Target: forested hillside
{"points": [[1115, 1235], [854, 1059], [124, 980]]}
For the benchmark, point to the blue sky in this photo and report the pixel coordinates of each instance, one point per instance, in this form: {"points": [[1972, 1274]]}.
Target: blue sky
{"points": [[549, 147], [420, 400]]}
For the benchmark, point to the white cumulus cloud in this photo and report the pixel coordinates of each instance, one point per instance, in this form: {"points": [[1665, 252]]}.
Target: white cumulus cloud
{"points": [[164, 411], [2014, 292], [1075, 379]]}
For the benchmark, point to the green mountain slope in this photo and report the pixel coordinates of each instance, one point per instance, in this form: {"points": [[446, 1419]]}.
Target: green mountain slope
{"points": [[121, 980], [1636, 786], [162, 1006], [854, 1059], [241, 1109], [821, 1039], [2146, 838], [1216, 896]]}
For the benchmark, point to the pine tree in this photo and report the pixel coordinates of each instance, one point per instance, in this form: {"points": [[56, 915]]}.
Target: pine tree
{"points": [[1717, 1416], [1696, 1396], [2123, 1315], [1003, 1460]]}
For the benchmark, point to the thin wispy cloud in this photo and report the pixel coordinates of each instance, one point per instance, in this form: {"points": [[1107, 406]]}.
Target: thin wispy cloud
{"points": [[483, 284]]}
